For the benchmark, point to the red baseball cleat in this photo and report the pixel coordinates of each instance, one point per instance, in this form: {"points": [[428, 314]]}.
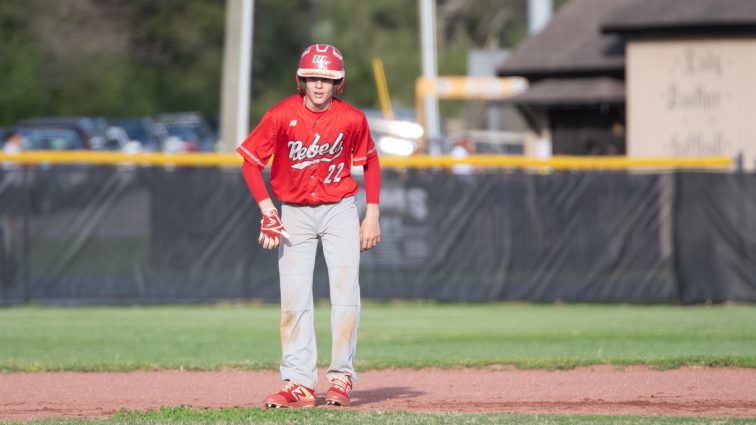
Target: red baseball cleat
{"points": [[292, 395], [338, 391]]}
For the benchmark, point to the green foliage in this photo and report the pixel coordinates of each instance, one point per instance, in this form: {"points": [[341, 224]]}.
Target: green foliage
{"points": [[19, 94], [110, 57], [281, 31], [119, 57]]}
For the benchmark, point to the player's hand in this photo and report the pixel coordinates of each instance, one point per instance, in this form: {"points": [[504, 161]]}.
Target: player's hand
{"points": [[370, 230], [271, 229]]}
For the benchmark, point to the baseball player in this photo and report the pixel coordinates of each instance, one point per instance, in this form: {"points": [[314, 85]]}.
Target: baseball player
{"points": [[315, 138]]}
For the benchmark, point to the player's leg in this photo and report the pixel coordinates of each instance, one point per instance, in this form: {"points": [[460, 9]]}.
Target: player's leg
{"points": [[341, 247], [296, 263]]}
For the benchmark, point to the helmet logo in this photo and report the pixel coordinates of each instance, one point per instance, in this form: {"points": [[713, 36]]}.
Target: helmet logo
{"points": [[321, 61]]}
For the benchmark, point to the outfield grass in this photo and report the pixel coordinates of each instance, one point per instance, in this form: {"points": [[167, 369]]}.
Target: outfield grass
{"points": [[400, 334]]}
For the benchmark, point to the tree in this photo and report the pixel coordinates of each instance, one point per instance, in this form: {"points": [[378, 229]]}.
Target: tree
{"points": [[141, 57]]}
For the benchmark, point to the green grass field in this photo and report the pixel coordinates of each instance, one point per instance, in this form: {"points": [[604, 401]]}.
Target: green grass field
{"points": [[401, 334], [186, 416], [391, 335]]}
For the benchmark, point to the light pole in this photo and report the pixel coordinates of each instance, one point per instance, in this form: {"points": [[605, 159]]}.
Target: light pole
{"points": [[237, 72], [430, 73]]}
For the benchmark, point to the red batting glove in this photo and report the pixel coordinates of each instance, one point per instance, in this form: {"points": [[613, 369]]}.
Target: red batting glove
{"points": [[270, 229]]}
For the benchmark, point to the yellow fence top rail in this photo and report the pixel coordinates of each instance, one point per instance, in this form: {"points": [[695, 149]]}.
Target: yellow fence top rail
{"points": [[105, 158], [560, 162], [417, 161]]}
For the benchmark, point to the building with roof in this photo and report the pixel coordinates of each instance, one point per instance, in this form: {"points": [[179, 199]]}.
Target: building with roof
{"points": [[641, 77]]}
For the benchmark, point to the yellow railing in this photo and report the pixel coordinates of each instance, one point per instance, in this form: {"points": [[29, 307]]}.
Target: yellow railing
{"points": [[560, 162], [99, 157], [417, 161]]}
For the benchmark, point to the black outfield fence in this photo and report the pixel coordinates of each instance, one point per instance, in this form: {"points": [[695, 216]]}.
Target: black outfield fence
{"points": [[118, 235]]}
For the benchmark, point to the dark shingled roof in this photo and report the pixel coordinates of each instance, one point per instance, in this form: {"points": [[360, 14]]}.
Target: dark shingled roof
{"points": [[572, 91], [683, 17], [587, 37], [572, 44]]}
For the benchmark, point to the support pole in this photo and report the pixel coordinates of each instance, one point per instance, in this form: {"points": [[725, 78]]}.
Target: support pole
{"points": [[237, 66], [430, 72]]}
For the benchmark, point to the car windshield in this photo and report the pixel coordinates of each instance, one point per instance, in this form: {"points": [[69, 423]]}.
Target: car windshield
{"points": [[183, 132], [135, 131], [56, 139]]}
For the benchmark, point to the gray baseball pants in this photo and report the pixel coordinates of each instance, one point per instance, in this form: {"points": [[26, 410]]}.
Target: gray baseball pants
{"points": [[337, 226]]}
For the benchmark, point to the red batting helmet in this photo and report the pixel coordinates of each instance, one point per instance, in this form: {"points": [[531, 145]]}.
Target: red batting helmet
{"points": [[321, 60]]}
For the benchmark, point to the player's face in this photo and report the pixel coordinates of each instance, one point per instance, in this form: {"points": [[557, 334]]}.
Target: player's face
{"points": [[318, 93]]}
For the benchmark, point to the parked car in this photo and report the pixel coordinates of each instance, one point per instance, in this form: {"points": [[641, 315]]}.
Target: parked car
{"points": [[72, 133], [59, 133], [398, 136], [52, 186], [143, 130], [187, 132], [4, 133]]}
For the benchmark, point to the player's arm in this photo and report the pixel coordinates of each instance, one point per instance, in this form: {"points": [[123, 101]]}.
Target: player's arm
{"points": [[253, 177], [370, 230], [256, 149], [270, 225]]}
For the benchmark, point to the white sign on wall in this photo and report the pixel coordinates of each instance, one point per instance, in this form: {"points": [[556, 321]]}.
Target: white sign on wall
{"points": [[692, 98]]}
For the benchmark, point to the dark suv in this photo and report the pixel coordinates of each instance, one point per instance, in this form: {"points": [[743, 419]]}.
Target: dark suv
{"points": [[191, 129], [144, 130], [61, 133]]}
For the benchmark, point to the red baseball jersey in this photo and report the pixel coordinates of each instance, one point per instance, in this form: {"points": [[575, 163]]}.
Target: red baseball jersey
{"points": [[312, 151]]}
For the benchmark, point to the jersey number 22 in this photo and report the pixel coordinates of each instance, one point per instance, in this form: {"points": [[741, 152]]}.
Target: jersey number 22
{"points": [[334, 173]]}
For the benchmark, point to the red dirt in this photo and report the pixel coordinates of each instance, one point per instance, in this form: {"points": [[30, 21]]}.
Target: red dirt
{"points": [[598, 390]]}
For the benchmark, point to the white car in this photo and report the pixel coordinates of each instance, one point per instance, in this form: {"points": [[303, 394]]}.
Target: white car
{"points": [[394, 137]]}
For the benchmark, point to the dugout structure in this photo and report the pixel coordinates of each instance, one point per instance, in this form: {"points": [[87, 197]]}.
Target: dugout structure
{"points": [[103, 228]]}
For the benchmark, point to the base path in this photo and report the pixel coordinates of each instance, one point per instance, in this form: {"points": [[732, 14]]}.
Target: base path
{"points": [[597, 390]]}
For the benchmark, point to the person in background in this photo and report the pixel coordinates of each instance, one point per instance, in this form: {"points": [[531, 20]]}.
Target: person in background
{"points": [[461, 150], [14, 144]]}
